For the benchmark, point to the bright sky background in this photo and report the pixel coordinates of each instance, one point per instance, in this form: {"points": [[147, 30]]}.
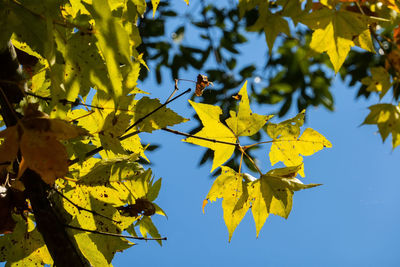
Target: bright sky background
{"points": [[352, 220]]}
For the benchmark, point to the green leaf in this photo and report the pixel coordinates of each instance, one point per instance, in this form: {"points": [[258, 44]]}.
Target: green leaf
{"points": [[161, 118], [114, 44], [146, 226], [246, 5], [84, 66], [140, 5], [272, 24], [245, 122], [154, 190], [114, 126], [387, 118], [289, 127], [213, 129], [98, 172], [379, 82], [24, 246]]}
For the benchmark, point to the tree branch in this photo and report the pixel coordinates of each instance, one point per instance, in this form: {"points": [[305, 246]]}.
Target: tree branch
{"points": [[115, 235], [61, 246]]}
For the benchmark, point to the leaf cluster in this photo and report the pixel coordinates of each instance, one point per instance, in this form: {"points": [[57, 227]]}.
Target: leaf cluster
{"points": [[79, 122], [308, 42]]}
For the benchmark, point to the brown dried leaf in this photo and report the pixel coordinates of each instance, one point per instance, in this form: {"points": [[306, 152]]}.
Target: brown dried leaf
{"points": [[44, 154], [201, 84]]}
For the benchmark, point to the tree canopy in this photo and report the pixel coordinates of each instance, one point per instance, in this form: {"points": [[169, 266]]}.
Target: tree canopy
{"points": [[72, 164]]}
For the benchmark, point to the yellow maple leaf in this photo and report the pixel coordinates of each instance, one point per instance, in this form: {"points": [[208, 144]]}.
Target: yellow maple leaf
{"points": [[222, 139], [229, 186], [336, 31], [288, 147], [213, 129], [273, 193]]}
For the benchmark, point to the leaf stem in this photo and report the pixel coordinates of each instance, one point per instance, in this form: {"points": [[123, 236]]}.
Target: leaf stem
{"points": [[115, 235], [240, 164], [175, 90], [199, 137], [251, 159], [259, 143]]}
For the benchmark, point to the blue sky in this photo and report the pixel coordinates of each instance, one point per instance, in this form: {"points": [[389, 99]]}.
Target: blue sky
{"points": [[352, 220]]}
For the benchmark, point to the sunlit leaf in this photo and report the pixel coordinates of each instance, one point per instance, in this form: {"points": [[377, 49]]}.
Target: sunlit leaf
{"points": [[214, 130], [288, 147], [162, 118], [335, 32], [230, 186], [245, 122]]}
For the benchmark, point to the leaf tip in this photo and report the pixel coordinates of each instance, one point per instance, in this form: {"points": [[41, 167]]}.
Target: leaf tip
{"points": [[205, 201]]}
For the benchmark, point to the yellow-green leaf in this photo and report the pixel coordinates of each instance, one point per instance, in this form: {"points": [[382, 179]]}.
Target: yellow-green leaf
{"points": [[161, 118], [230, 186], [288, 147], [245, 122], [24, 246], [273, 193], [335, 32], [146, 226], [387, 118], [378, 82], [213, 129]]}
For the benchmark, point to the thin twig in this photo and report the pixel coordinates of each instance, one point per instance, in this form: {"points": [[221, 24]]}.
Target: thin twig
{"points": [[240, 164], [175, 90], [100, 148], [375, 36], [155, 110], [199, 137], [8, 104], [115, 235], [81, 208]]}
